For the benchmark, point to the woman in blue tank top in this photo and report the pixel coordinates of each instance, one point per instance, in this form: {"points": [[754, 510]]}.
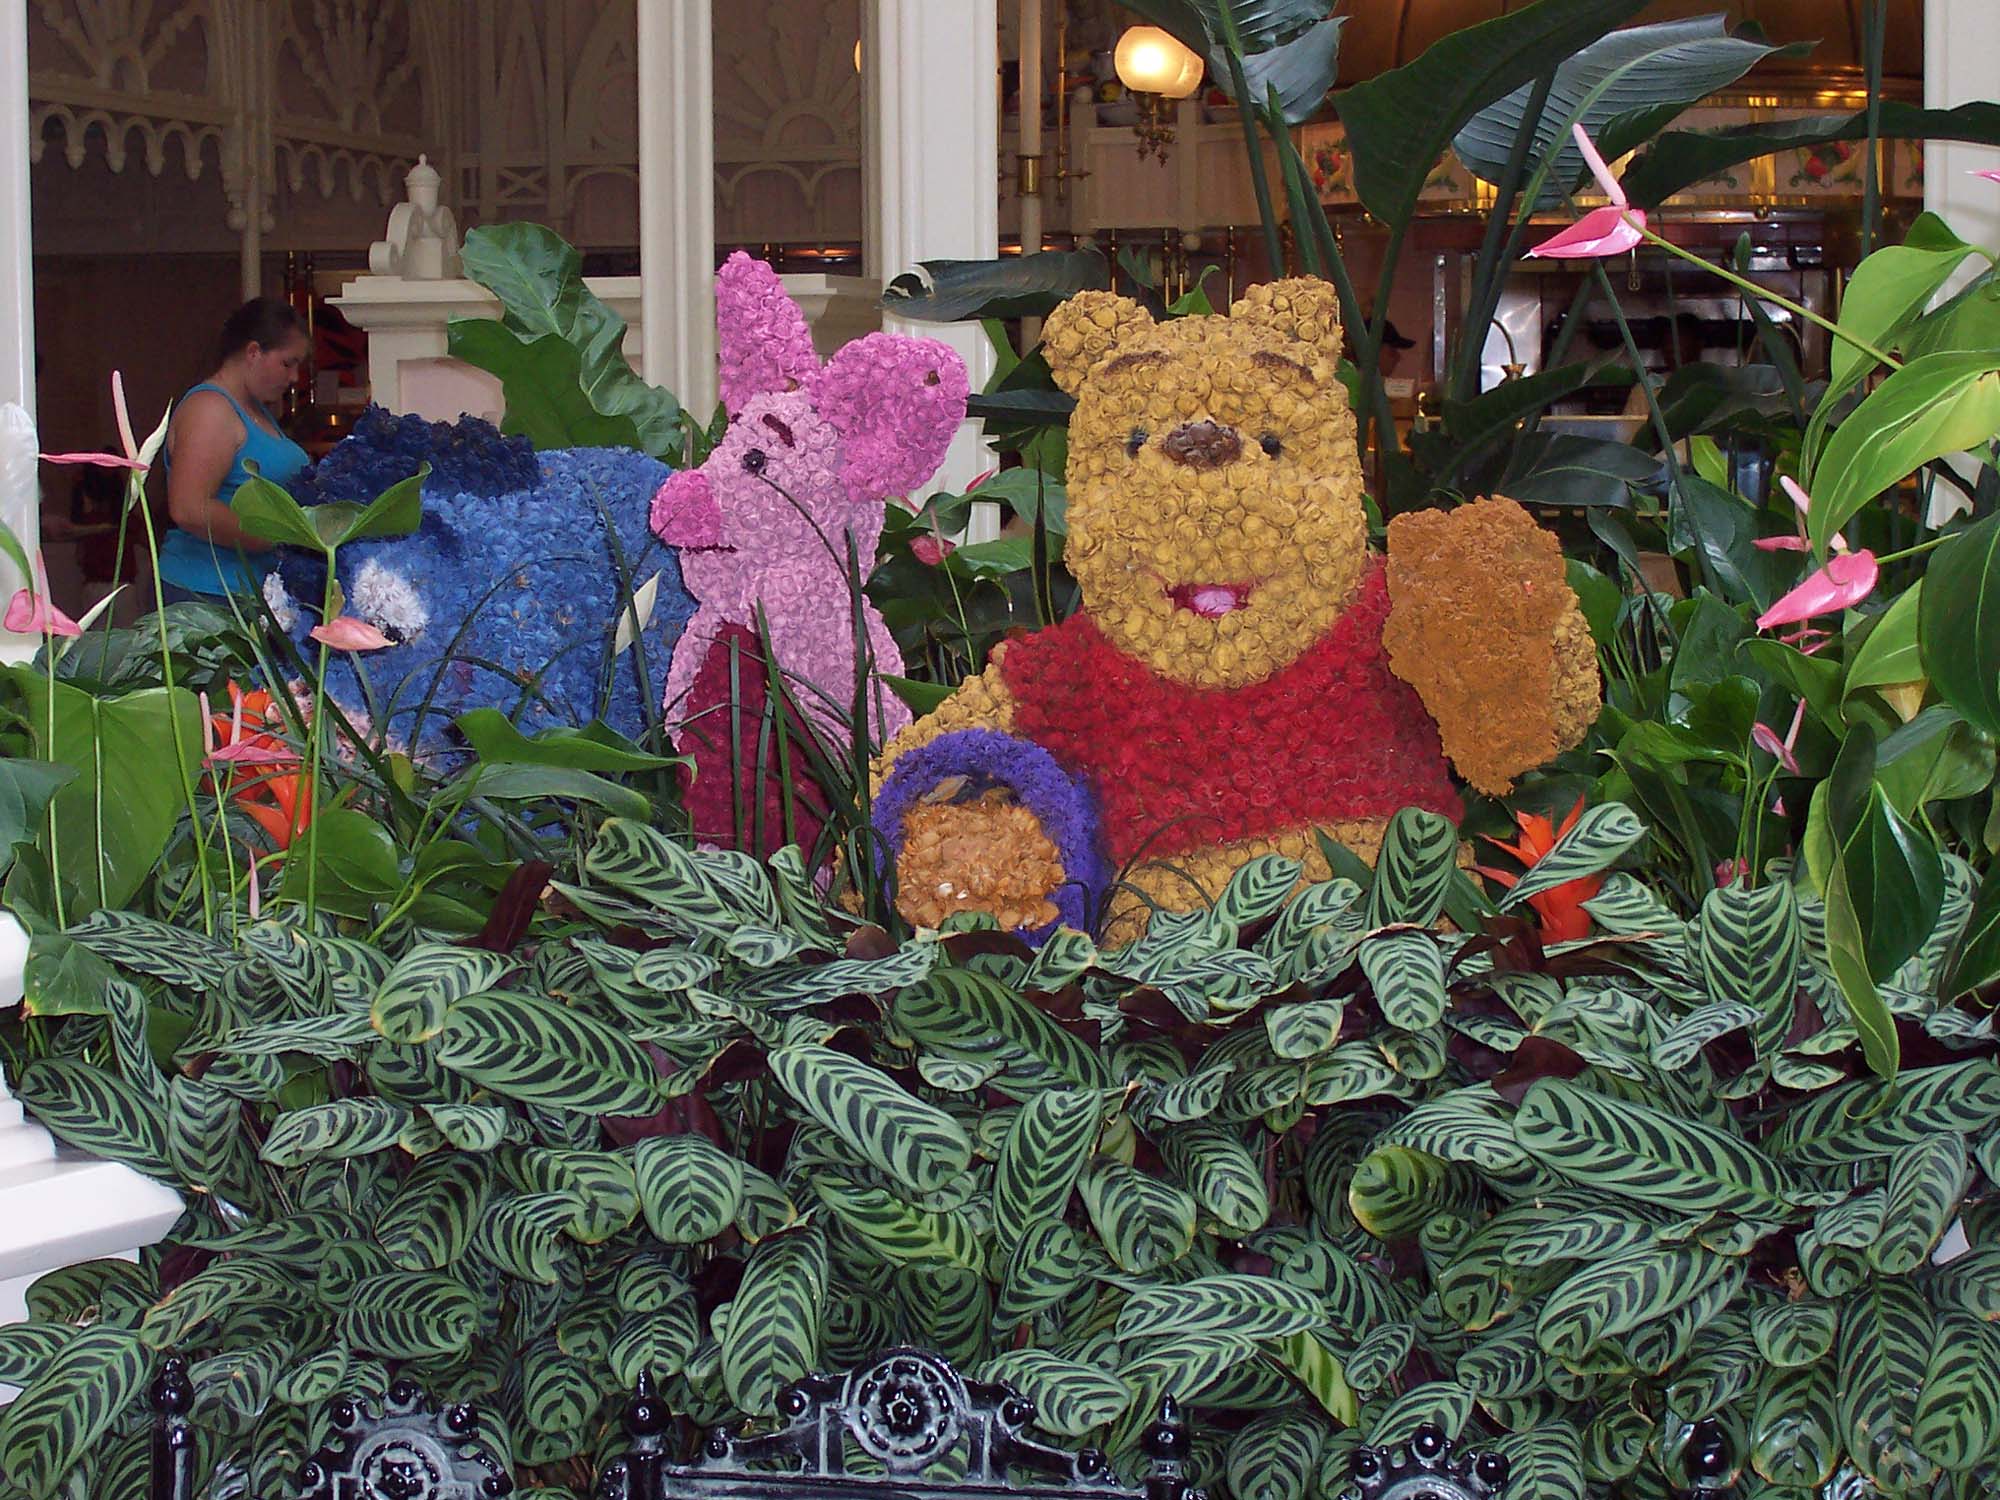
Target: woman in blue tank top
{"points": [[220, 428]]}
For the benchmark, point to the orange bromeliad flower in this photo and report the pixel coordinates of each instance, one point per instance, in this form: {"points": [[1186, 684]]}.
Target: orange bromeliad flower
{"points": [[1560, 907], [277, 797], [288, 811]]}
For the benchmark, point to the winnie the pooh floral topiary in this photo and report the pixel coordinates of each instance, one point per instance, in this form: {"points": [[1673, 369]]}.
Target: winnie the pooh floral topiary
{"points": [[1244, 671]]}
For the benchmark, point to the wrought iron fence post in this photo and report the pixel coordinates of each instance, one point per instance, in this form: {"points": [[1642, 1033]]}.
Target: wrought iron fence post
{"points": [[640, 1472], [170, 1466], [1168, 1447]]}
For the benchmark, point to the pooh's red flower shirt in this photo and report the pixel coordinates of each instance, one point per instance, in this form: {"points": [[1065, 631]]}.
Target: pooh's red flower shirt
{"points": [[1333, 737]]}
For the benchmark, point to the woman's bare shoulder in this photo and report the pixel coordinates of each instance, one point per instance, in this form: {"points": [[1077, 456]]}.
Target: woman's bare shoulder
{"points": [[205, 416]]}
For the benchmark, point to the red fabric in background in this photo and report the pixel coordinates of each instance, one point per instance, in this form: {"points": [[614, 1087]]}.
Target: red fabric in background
{"points": [[1334, 736]]}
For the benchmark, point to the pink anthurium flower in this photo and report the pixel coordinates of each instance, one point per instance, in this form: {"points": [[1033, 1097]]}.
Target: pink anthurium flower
{"points": [[1767, 740], [931, 549], [31, 612], [346, 633], [1847, 579], [1610, 230], [101, 460]]}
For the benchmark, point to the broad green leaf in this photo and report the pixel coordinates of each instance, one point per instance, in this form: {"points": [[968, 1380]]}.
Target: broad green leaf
{"points": [[559, 1392], [1304, 1029], [963, 1008], [1254, 1307], [1406, 971], [1379, 1355], [1748, 948], [956, 291], [1666, 63], [772, 1335], [427, 983], [1636, 1152], [1044, 1153], [1046, 1266], [1887, 288], [1143, 1222], [430, 1221], [1975, 958], [567, 364], [410, 1315], [539, 1053], [533, 783], [691, 1188], [1614, 1297], [1400, 123], [1959, 623], [1957, 1421], [914, 1142], [344, 1128], [1413, 869], [900, 1231], [1071, 1398], [1212, 1163], [1277, 1455], [495, 739], [660, 1341], [26, 1347], [133, 756], [1887, 1332], [265, 510], [1871, 1118], [1795, 1433], [144, 945], [1443, 1402], [1891, 876], [1935, 405], [98, 1112], [521, 1234], [1794, 1333], [89, 1384], [1316, 1367], [1544, 1463], [1926, 1181], [1395, 1190]]}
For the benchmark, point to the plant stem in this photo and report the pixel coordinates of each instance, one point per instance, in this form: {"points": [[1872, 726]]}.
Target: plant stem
{"points": [[1485, 274], [1746, 284], [315, 732], [1916, 551], [1232, 46], [137, 496]]}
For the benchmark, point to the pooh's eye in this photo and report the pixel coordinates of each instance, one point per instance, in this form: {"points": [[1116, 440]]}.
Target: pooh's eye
{"points": [[754, 461], [1135, 442], [1270, 444]]}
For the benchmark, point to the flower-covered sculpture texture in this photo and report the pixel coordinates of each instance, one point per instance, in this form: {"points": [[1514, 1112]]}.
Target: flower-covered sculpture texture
{"points": [[1245, 671], [510, 593], [775, 533]]}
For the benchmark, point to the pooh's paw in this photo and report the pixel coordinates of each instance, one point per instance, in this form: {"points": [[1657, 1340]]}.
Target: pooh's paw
{"points": [[987, 854], [1484, 625]]}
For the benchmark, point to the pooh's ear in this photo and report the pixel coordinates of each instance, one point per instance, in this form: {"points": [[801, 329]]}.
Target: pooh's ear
{"points": [[1082, 333], [1303, 308]]}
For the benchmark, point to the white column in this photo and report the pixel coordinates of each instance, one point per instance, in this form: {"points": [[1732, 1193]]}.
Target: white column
{"points": [[677, 199], [1961, 40], [20, 510], [931, 169], [17, 266]]}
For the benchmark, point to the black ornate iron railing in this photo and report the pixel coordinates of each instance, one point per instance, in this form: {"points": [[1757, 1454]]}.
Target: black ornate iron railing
{"points": [[905, 1426]]}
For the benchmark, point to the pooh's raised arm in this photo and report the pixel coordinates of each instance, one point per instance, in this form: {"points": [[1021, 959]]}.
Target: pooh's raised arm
{"points": [[1484, 625]]}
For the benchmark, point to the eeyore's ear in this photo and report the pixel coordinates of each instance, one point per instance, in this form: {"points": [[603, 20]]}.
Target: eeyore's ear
{"points": [[895, 403], [761, 336]]}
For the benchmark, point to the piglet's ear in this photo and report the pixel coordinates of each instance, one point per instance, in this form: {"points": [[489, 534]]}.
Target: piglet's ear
{"points": [[762, 339], [895, 403]]}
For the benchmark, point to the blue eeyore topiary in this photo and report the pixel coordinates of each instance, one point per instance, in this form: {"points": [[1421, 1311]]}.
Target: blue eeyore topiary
{"points": [[508, 595]]}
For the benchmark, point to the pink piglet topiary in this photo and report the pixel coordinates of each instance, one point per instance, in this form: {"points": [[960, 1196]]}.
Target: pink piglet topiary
{"points": [[785, 512]]}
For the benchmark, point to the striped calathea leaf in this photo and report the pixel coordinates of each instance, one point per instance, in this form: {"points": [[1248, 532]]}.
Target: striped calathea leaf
{"points": [[1314, 1163]]}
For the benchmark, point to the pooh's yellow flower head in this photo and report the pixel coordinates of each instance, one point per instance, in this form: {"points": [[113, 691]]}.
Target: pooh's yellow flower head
{"points": [[1216, 526]]}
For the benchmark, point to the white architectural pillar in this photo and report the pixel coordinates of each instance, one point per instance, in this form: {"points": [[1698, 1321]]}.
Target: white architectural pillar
{"points": [[20, 507], [1961, 41], [677, 199], [931, 167], [17, 266]]}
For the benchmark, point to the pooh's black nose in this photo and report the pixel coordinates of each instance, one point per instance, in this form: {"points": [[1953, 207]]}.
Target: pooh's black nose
{"points": [[1202, 445]]}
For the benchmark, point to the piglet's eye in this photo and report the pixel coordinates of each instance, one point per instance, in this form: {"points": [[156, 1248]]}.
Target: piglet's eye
{"points": [[1135, 442], [1270, 444], [754, 461]]}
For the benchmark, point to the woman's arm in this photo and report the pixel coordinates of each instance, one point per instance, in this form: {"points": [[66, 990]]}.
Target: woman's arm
{"points": [[204, 441]]}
